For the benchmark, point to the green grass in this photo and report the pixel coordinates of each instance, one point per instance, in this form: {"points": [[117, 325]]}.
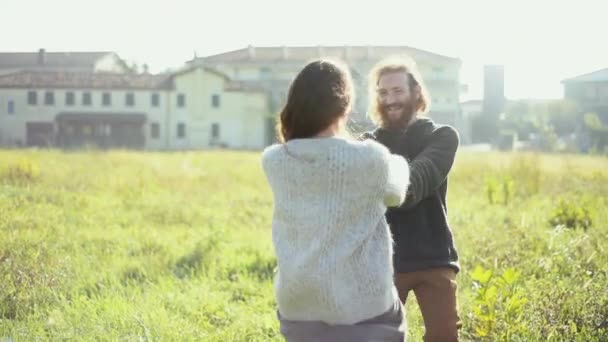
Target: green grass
{"points": [[177, 246]]}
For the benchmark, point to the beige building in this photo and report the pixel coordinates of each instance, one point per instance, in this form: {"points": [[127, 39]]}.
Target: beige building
{"points": [[230, 99], [272, 68], [196, 107]]}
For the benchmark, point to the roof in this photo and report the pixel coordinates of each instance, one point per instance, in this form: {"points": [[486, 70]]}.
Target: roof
{"points": [[304, 53], [98, 80], [51, 59], [84, 80], [596, 76]]}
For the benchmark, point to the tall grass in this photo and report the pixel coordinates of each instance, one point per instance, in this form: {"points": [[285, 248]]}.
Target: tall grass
{"points": [[176, 246]]}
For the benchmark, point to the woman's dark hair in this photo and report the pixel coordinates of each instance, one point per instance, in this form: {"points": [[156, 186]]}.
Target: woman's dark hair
{"points": [[321, 93]]}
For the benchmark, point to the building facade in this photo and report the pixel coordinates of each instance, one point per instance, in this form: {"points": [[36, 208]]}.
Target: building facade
{"points": [[590, 92], [230, 99], [189, 109], [273, 68]]}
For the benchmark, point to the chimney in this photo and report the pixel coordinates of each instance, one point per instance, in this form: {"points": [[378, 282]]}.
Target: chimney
{"points": [[346, 52], [285, 52], [41, 57], [251, 51]]}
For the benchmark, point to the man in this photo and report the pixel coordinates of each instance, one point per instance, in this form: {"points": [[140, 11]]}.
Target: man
{"points": [[425, 259]]}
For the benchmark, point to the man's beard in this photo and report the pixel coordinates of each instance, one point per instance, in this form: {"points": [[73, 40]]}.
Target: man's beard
{"points": [[407, 112]]}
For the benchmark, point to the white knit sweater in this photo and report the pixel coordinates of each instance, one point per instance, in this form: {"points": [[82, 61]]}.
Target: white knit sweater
{"points": [[332, 242]]}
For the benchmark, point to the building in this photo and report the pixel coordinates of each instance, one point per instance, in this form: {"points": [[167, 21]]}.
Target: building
{"points": [[196, 107], [470, 110], [273, 68], [493, 90], [11, 62], [493, 104], [230, 99], [590, 92]]}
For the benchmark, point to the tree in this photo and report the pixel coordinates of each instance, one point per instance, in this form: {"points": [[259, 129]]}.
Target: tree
{"points": [[598, 132], [564, 116]]}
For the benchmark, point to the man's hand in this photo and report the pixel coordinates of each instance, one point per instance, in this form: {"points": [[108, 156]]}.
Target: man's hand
{"points": [[367, 135]]}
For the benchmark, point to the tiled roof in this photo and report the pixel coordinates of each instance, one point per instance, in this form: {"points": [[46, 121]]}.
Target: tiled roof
{"points": [[50, 59], [303, 53], [84, 80]]}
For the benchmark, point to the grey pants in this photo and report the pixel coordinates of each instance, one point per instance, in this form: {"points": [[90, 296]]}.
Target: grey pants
{"points": [[389, 327]]}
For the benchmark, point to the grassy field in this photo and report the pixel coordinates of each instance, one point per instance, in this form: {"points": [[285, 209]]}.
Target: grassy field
{"points": [[151, 246]]}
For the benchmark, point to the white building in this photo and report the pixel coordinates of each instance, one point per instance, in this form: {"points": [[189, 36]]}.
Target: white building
{"points": [[273, 68], [194, 108]]}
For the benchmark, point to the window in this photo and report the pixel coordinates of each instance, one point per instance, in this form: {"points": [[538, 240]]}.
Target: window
{"points": [[155, 100], [106, 99], [49, 98], [265, 73], [69, 98], [215, 101], [181, 130], [130, 99], [154, 130], [590, 92], [86, 99], [215, 131], [32, 98], [438, 69], [11, 107], [181, 100]]}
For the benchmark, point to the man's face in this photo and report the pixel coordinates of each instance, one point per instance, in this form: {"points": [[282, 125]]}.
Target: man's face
{"points": [[397, 101]]}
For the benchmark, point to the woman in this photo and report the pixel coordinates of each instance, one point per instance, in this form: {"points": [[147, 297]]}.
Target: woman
{"points": [[332, 242]]}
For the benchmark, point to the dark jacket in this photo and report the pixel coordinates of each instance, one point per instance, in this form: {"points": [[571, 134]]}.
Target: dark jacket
{"points": [[423, 238]]}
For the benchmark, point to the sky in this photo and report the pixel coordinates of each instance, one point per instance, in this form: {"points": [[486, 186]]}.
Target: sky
{"points": [[539, 42]]}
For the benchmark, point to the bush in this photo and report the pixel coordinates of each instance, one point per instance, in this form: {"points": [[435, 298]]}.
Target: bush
{"points": [[499, 304], [24, 171], [570, 215]]}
